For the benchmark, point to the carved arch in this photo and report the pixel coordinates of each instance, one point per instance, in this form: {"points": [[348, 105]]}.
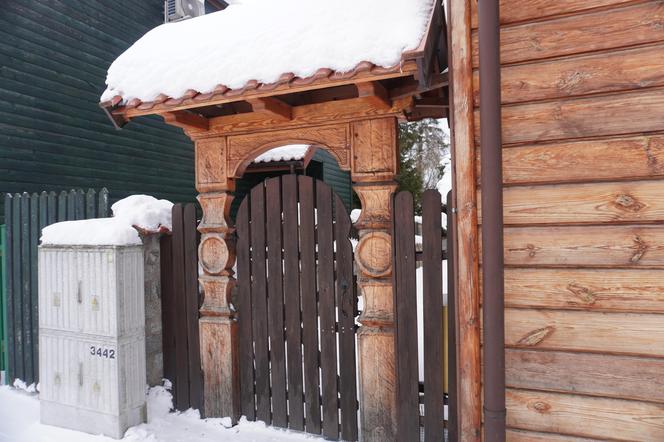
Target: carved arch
{"points": [[243, 149]]}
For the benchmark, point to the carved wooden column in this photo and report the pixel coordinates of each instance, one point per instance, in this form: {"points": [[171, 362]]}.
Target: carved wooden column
{"points": [[217, 325], [374, 166]]}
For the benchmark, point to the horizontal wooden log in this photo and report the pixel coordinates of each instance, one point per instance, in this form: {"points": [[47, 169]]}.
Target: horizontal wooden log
{"points": [[512, 11], [533, 436], [618, 158], [620, 377], [581, 75], [616, 333], [617, 202], [585, 416], [629, 25], [571, 246], [603, 115], [591, 289]]}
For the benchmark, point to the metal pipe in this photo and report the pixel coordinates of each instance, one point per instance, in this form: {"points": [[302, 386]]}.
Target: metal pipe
{"points": [[492, 222]]}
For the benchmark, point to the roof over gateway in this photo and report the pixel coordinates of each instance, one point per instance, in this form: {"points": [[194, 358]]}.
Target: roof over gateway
{"points": [[257, 48]]}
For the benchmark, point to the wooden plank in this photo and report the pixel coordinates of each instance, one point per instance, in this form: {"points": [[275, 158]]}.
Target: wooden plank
{"points": [[616, 333], [259, 304], [346, 306], [33, 244], [26, 290], [79, 204], [63, 200], [406, 318], [71, 205], [275, 297], [246, 351], [584, 416], [512, 11], [52, 208], [10, 233], [601, 290], [179, 289], [192, 305], [630, 25], [102, 204], [593, 116], [327, 310], [532, 436], [309, 305], [467, 238], [432, 271], [452, 341], [292, 301], [167, 306], [619, 158], [580, 75], [607, 203], [620, 377], [599, 246], [90, 204]]}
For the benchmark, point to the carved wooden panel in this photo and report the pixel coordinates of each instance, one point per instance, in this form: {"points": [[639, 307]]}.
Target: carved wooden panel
{"points": [[374, 148], [242, 149], [211, 164]]}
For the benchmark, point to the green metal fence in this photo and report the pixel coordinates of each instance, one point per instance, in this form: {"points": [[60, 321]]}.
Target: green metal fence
{"points": [[25, 217], [3, 301]]}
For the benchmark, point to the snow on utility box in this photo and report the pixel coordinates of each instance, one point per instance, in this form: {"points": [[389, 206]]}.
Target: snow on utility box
{"points": [[92, 337]]}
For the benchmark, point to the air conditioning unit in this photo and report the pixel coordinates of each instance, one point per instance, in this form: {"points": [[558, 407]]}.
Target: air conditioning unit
{"points": [[177, 10]]}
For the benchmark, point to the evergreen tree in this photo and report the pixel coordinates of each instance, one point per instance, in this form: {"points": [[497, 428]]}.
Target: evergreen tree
{"points": [[423, 149]]}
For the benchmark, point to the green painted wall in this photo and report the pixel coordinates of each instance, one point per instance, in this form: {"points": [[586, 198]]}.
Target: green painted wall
{"points": [[53, 136]]}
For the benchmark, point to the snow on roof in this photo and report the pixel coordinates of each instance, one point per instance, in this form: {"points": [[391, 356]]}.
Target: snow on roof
{"points": [[137, 211], [291, 152], [261, 41]]}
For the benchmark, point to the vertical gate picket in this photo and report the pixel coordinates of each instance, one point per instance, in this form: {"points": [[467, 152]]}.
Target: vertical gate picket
{"points": [[276, 302], [432, 268], [326, 312], [259, 304], [79, 204], [33, 243], [309, 305], [451, 323], [192, 305], [26, 282], [63, 206], [406, 318], [182, 366], [90, 204], [247, 399], [292, 303], [10, 338], [52, 208], [346, 305], [102, 204]]}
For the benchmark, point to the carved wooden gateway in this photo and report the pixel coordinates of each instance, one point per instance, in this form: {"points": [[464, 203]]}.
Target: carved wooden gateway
{"points": [[354, 116]]}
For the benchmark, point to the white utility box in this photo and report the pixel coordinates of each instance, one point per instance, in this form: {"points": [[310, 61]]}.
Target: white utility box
{"points": [[92, 338]]}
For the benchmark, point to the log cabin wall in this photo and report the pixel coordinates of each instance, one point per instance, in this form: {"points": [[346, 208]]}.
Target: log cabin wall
{"points": [[583, 146]]}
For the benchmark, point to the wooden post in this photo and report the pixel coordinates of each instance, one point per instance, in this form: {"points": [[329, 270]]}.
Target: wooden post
{"points": [[217, 325], [374, 166]]}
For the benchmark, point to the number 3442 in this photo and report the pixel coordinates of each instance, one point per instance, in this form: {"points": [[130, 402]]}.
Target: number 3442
{"points": [[102, 352]]}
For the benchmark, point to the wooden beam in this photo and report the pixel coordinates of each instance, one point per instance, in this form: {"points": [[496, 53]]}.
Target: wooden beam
{"points": [[273, 107], [186, 120], [376, 92], [413, 87]]}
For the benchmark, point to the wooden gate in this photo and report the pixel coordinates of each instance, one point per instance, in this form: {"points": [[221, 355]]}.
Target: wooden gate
{"points": [[426, 348], [296, 307]]}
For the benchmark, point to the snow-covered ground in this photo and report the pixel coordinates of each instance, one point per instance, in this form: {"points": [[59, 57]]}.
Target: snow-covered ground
{"points": [[19, 422]]}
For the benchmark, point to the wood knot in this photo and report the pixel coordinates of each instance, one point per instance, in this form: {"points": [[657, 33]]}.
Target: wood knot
{"points": [[570, 80], [536, 336], [627, 202], [641, 248], [541, 407], [586, 296]]}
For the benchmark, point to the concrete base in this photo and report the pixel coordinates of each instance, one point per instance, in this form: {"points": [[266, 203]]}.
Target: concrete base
{"points": [[66, 416]]}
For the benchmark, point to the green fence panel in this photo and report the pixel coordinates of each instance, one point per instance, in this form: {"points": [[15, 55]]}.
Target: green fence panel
{"points": [[25, 217]]}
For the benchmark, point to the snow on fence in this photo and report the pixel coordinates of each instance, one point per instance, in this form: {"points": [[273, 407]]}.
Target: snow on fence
{"points": [[25, 216]]}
